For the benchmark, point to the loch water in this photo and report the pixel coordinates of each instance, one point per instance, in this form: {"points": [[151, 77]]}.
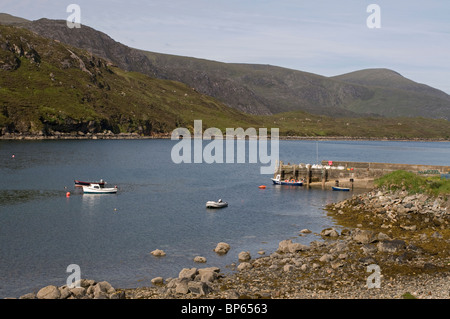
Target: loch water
{"points": [[159, 205]]}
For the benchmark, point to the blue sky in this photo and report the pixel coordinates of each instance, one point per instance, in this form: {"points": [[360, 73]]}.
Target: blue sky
{"points": [[326, 37]]}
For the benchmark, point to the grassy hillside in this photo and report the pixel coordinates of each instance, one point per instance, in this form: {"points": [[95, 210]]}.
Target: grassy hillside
{"points": [[414, 183], [265, 89], [303, 124], [48, 87], [386, 78]]}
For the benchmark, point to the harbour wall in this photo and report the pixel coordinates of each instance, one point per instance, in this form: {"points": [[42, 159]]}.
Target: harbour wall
{"points": [[350, 174]]}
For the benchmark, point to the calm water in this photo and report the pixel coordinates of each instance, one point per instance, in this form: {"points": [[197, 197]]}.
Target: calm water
{"points": [[159, 205]]}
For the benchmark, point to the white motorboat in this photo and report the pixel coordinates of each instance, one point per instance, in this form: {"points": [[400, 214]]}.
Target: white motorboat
{"points": [[97, 189], [219, 204]]}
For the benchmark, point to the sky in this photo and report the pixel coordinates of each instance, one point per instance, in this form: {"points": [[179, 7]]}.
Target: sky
{"points": [[326, 37]]}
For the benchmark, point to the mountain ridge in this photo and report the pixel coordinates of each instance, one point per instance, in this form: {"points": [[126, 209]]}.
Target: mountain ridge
{"points": [[261, 89], [50, 89], [47, 86]]}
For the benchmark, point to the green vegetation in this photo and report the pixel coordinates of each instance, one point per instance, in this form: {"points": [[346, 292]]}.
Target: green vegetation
{"points": [[267, 89], [431, 185], [408, 295], [47, 86]]}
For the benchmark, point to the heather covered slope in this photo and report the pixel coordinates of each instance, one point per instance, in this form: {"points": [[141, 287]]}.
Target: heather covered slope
{"points": [[265, 89], [48, 86]]}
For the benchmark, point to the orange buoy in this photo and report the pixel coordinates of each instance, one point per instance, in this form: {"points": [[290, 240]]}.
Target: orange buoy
{"points": [[262, 186], [68, 194]]}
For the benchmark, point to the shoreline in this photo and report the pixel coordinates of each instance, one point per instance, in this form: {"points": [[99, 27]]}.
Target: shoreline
{"points": [[135, 136], [406, 235]]}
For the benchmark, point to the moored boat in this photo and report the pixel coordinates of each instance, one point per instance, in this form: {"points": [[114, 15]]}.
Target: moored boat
{"points": [[218, 204], [81, 183], [342, 189], [291, 182], [96, 189]]}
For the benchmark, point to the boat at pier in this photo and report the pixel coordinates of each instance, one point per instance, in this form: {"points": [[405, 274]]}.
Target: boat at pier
{"points": [[342, 189], [291, 182]]}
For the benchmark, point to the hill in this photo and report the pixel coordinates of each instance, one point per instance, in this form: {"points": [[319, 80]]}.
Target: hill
{"points": [[10, 19], [265, 89], [48, 87]]}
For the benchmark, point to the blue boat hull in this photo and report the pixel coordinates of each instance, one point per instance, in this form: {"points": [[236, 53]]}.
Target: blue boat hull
{"points": [[342, 189], [277, 182]]}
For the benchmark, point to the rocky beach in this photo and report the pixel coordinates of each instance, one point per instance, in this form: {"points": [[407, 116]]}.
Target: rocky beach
{"points": [[388, 244]]}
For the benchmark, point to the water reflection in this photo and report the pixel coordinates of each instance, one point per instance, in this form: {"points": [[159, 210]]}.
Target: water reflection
{"points": [[90, 201]]}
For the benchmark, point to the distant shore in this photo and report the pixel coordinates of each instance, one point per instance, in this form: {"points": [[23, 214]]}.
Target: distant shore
{"points": [[136, 136]]}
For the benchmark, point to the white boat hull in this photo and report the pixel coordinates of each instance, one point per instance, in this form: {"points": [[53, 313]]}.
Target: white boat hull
{"points": [[96, 189], [212, 204]]}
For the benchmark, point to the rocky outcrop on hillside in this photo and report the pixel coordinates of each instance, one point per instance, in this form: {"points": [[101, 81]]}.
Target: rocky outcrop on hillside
{"points": [[264, 89]]}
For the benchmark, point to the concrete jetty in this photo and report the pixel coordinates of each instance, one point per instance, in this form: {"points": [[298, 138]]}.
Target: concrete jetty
{"points": [[349, 174]]}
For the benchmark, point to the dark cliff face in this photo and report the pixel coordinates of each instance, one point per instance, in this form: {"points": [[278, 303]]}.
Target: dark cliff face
{"points": [[96, 42]]}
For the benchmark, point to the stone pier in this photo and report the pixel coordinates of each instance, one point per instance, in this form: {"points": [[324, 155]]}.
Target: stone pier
{"points": [[350, 174]]}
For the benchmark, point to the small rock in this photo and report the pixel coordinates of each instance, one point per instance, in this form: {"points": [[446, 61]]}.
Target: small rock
{"points": [[188, 273], [364, 236], [283, 246], [244, 266], [199, 288], [287, 246], [118, 295], [337, 264], [65, 292], [49, 292], [182, 286], [326, 258], [208, 276], [244, 256], [391, 246], [158, 253], [78, 292], [411, 228], [343, 256], [305, 231], [383, 236], [157, 281], [329, 232], [200, 259], [222, 248], [288, 268]]}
